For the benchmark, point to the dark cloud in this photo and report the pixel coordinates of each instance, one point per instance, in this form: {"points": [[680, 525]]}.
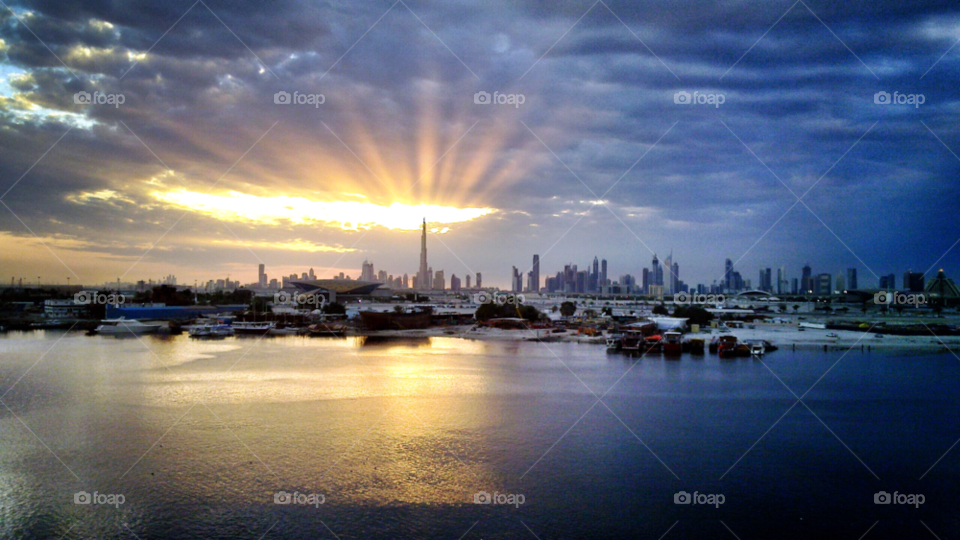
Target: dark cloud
{"points": [[599, 95]]}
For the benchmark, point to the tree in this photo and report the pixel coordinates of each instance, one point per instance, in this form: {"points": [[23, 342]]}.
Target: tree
{"points": [[568, 308], [694, 314], [498, 311], [334, 308], [660, 309], [796, 308]]}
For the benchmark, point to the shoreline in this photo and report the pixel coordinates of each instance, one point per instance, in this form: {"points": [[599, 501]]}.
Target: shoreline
{"points": [[783, 336]]}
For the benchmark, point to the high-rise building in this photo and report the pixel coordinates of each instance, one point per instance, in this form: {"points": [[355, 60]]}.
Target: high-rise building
{"points": [[913, 281], [455, 282], [366, 272], [823, 285], [603, 272], [382, 276], [439, 283], [262, 276], [888, 282], [852, 279], [423, 280], [728, 275], [479, 280], [406, 281], [656, 271], [516, 281], [781, 280], [644, 281], [535, 274], [675, 284], [806, 279], [468, 281]]}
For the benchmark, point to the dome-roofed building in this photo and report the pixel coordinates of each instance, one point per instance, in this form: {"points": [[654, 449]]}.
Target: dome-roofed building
{"points": [[942, 290], [332, 289]]}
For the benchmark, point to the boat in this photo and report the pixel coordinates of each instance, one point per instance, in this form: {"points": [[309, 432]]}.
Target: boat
{"points": [[326, 330], [418, 318], [287, 331], [254, 328], [652, 344], [832, 335], [756, 348], [212, 331], [614, 341], [727, 346], [696, 345], [672, 343], [122, 326]]}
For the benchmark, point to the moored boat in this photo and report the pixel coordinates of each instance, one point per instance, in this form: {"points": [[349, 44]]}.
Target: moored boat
{"points": [[121, 326], [212, 331], [671, 343], [252, 328], [727, 346]]}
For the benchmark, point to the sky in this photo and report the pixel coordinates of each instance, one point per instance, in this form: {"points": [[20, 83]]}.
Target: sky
{"points": [[201, 138]]}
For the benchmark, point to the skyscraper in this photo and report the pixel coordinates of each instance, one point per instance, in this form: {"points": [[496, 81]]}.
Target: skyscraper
{"points": [[603, 272], [535, 275], [851, 279], [262, 276], [656, 271], [806, 279], [423, 281], [479, 280], [728, 275], [516, 281], [366, 272]]}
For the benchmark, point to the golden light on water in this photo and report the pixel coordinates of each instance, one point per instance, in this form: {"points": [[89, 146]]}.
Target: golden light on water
{"points": [[347, 215]]}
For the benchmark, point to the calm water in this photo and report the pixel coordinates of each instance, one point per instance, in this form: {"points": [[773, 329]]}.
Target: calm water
{"points": [[399, 436]]}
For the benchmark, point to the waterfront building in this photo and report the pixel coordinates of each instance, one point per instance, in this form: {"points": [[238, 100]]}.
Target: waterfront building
{"points": [[942, 290], [455, 282]]}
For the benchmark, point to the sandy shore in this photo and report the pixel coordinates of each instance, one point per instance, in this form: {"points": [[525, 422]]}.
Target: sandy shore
{"points": [[781, 335]]}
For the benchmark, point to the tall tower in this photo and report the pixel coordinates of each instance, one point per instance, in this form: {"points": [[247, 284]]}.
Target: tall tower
{"points": [[423, 282], [535, 275]]}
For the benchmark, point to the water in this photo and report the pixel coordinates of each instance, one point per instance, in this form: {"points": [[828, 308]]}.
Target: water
{"points": [[399, 436]]}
